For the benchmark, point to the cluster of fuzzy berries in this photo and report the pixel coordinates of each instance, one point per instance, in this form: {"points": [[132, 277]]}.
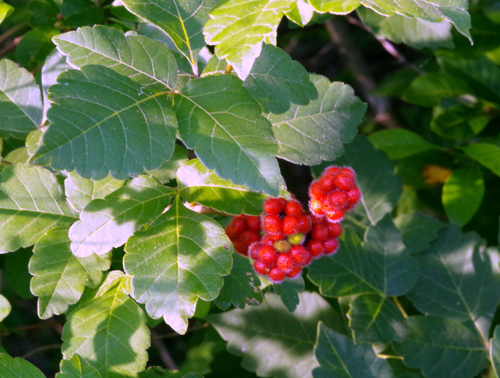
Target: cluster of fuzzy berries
{"points": [[285, 238]]}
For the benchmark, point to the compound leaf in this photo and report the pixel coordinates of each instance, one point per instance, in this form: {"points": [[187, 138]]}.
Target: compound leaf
{"points": [[108, 330], [20, 101], [109, 222], [221, 121], [181, 257], [77, 367], [316, 132], [31, 203], [238, 29], [59, 276], [338, 356], [457, 280], [273, 341], [17, 368], [198, 184], [442, 348], [145, 61], [103, 122]]}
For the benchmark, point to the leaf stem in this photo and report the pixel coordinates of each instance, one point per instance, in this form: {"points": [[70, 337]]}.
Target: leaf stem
{"points": [[41, 349], [354, 221], [400, 307], [12, 30]]}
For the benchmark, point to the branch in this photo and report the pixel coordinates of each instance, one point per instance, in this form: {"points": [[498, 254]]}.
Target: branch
{"points": [[162, 350]]}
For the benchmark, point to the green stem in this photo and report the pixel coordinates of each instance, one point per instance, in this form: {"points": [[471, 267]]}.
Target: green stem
{"points": [[354, 221]]}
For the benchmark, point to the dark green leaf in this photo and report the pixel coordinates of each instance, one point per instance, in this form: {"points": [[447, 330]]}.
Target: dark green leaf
{"points": [[77, 367], [418, 230], [221, 121], [241, 287], [31, 203], [338, 356], [198, 184], [486, 154], [457, 280], [400, 370], [35, 46], [495, 351], [168, 170], [458, 121], [288, 292], [81, 13], [462, 194], [272, 341], [442, 348], [20, 101], [181, 257], [109, 222], [17, 368], [103, 122], [157, 372], [17, 273], [43, 13], [400, 143], [316, 132]]}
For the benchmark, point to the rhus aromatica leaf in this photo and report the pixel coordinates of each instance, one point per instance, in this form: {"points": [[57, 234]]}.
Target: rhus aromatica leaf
{"points": [[77, 367], [17, 368], [221, 121], [180, 258], [31, 203], [103, 122], [315, 132]]}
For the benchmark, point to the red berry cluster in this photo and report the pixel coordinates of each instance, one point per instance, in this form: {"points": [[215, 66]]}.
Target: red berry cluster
{"points": [[287, 242]]}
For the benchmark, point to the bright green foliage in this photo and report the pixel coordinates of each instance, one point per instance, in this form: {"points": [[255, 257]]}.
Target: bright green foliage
{"points": [[5, 307], [316, 132], [109, 222], [59, 276], [77, 367], [108, 329], [274, 342], [5, 10], [17, 368], [301, 12], [20, 102], [196, 183], [462, 194], [181, 257], [31, 202], [451, 349], [217, 114], [400, 143], [238, 29], [485, 153], [339, 357], [168, 170]]}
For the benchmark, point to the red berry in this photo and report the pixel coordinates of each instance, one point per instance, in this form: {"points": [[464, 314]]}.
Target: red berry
{"points": [[327, 182], [276, 275], [273, 206], [290, 225], [260, 267], [338, 199], [248, 237], [273, 223], [240, 247], [345, 181], [300, 254], [236, 227], [274, 237], [284, 262], [316, 207], [295, 272], [332, 170], [353, 196], [268, 255], [335, 216], [316, 191], [319, 232], [317, 219], [254, 250], [293, 207], [304, 223], [316, 248], [253, 223], [334, 230], [331, 246]]}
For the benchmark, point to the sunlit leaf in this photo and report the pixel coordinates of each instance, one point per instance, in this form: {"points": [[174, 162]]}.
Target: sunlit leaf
{"points": [[485, 153], [301, 12], [5, 10], [400, 143], [177, 260], [77, 367], [418, 230], [168, 170], [5, 307], [17, 368]]}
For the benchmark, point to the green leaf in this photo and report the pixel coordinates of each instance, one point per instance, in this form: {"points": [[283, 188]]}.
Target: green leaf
{"points": [[31, 203], [168, 170], [221, 121], [238, 29], [454, 11], [5, 10], [5, 307], [43, 13], [81, 13], [77, 367], [400, 143], [19, 155], [458, 121], [316, 132], [17, 368], [379, 265], [338, 356], [181, 257], [428, 90], [272, 341], [288, 292], [495, 351], [103, 122], [379, 186], [275, 81], [181, 20], [59, 276], [485, 153], [35, 46], [157, 372], [418, 230], [198, 184], [442, 348], [108, 330], [301, 12], [81, 191], [375, 319], [143, 60], [241, 287], [109, 222], [400, 370], [457, 280], [20, 102], [462, 195], [414, 32]]}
